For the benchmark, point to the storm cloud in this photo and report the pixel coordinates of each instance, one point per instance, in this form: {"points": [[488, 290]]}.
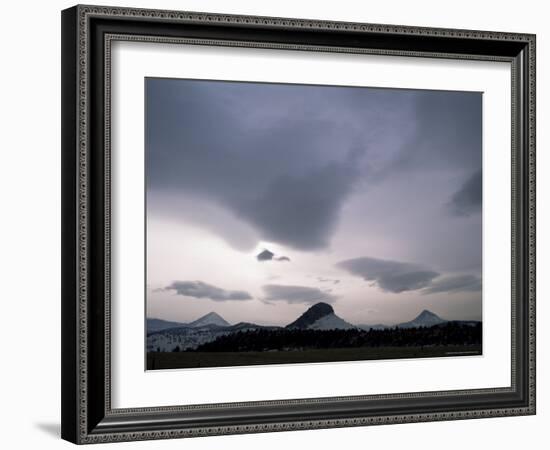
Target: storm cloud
{"points": [[467, 200], [448, 129], [390, 276], [301, 211], [266, 255], [454, 283], [296, 294], [199, 289], [282, 158]]}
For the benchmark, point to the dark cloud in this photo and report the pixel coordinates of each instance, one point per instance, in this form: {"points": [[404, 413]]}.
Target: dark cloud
{"points": [[199, 289], [281, 158], [301, 211], [296, 294], [390, 276], [396, 277], [454, 283], [447, 133], [467, 200], [266, 255]]}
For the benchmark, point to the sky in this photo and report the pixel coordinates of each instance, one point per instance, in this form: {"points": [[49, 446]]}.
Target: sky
{"points": [[365, 198]]}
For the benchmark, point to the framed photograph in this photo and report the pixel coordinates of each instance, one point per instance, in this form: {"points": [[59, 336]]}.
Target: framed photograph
{"points": [[268, 221]]}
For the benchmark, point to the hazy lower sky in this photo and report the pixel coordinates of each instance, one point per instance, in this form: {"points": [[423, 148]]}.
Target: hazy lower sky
{"points": [[368, 199]]}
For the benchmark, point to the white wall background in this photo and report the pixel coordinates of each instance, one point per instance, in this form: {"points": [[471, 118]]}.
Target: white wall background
{"points": [[30, 222]]}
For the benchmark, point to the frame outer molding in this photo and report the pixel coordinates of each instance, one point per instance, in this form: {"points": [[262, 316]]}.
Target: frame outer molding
{"points": [[76, 219]]}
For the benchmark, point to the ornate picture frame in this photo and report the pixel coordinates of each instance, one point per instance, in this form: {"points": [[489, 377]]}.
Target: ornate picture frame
{"points": [[88, 33]]}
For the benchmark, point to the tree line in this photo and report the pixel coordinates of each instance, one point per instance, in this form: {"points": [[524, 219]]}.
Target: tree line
{"points": [[283, 339]]}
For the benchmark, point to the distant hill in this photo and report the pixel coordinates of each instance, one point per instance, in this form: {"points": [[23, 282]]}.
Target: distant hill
{"points": [[424, 319], [243, 326], [159, 324], [211, 318], [320, 316], [205, 329]]}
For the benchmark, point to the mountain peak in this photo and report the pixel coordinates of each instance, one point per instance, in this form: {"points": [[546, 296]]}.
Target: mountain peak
{"points": [[321, 308], [426, 314], [211, 318], [424, 319], [312, 314]]}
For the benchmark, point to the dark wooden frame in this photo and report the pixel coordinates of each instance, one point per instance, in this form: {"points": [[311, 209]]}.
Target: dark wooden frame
{"points": [[87, 32]]}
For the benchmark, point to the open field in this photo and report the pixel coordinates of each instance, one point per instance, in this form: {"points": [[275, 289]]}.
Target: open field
{"points": [[180, 360]]}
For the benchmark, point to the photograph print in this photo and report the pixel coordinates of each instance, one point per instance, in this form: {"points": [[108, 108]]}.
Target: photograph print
{"points": [[293, 223]]}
